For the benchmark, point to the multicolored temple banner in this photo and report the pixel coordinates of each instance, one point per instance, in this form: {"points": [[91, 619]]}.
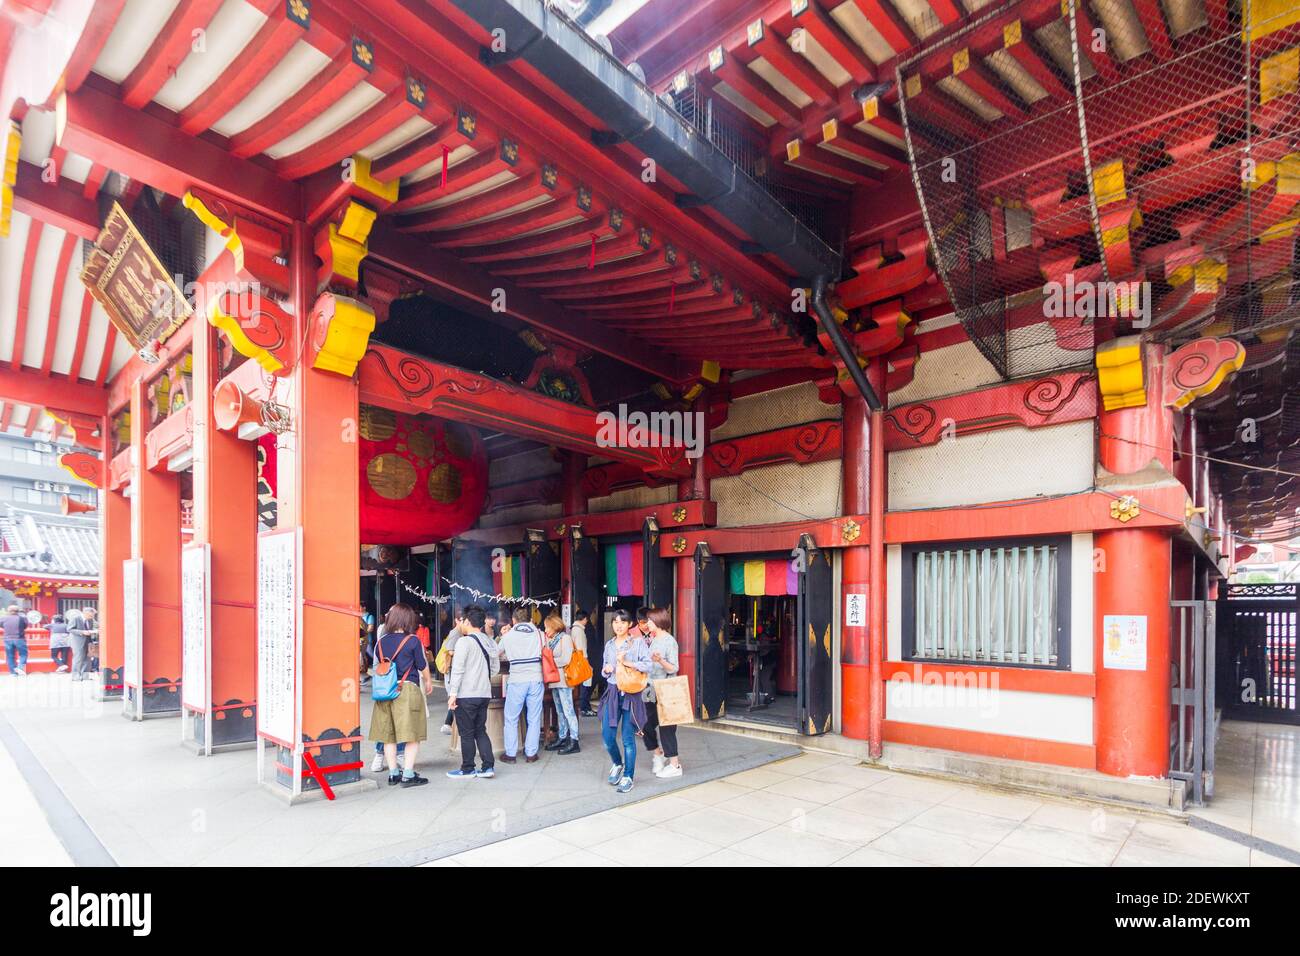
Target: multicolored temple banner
{"points": [[509, 580], [771, 578], [625, 569]]}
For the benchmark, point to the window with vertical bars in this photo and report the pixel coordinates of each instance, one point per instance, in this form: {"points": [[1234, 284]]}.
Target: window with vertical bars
{"points": [[990, 603]]}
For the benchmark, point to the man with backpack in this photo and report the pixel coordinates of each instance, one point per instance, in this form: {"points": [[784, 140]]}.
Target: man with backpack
{"points": [[469, 691]]}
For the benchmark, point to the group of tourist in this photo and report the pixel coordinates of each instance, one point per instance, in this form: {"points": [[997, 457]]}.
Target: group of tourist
{"points": [[531, 662], [70, 639]]}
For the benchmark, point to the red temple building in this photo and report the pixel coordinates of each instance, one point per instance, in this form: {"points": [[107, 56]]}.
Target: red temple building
{"points": [[930, 359]]}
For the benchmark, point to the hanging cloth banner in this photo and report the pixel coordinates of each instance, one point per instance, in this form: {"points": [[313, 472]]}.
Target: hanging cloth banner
{"points": [[625, 569], [771, 578], [509, 580]]}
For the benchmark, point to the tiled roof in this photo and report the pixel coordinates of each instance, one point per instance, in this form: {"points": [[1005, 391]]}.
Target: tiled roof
{"points": [[38, 544]]}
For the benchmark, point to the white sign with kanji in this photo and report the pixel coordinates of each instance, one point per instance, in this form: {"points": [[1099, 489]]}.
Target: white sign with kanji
{"points": [[855, 610], [277, 636]]}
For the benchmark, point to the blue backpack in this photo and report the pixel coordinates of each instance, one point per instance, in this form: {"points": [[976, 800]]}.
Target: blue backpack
{"points": [[386, 686]]}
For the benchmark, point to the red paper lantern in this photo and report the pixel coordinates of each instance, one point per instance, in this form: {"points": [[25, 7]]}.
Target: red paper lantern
{"points": [[422, 479]]}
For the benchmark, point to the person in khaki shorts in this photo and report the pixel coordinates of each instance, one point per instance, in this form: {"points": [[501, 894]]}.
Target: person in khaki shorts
{"points": [[405, 719]]}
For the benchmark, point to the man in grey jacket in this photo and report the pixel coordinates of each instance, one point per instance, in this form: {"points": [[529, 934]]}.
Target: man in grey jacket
{"points": [[469, 690]]}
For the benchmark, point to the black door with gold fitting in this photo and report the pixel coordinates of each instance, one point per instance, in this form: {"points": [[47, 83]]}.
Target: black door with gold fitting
{"points": [[658, 570], [586, 572], [816, 613], [711, 607]]}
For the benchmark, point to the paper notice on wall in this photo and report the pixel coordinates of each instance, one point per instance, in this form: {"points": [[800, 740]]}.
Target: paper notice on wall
{"points": [[277, 636], [855, 610], [194, 627], [1124, 642], [567, 612]]}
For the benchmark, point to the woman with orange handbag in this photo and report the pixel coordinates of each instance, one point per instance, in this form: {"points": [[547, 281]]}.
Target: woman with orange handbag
{"points": [[627, 668], [561, 647]]}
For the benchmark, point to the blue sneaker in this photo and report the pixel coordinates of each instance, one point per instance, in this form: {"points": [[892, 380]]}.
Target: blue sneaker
{"points": [[487, 773], [615, 775], [624, 785], [459, 774]]}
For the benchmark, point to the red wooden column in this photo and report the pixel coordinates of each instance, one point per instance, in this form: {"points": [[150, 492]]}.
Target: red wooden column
{"points": [[317, 492], [225, 518], [879, 594], [156, 539], [685, 611], [115, 547], [1132, 583], [855, 573]]}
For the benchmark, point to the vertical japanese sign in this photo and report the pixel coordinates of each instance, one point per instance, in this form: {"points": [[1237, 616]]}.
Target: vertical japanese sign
{"points": [[855, 610], [278, 661], [196, 616]]}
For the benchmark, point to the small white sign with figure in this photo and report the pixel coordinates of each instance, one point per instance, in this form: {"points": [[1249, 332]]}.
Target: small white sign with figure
{"points": [[1124, 642]]}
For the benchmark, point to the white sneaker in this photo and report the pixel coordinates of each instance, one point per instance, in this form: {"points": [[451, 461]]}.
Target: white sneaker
{"points": [[615, 775], [667, 771], [657, 762], [61, 669], [446, 730], [378, 763]]}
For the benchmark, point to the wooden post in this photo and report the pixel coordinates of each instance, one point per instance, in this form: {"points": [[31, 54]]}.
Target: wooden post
{"points": [[225, 518], [115, 547], [156, 539]]}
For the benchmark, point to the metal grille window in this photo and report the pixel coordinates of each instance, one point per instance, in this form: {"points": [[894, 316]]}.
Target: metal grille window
{"points": [[996, 602]]}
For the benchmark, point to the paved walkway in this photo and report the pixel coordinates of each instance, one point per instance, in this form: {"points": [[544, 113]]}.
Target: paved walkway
{"points": [[150, 802], [824, 810], [26, 836]]}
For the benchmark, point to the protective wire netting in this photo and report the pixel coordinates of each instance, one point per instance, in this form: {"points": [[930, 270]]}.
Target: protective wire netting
{"points": [[1107, 167]]}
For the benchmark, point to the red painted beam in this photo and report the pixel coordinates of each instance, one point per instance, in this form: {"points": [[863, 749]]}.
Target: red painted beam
{"points": [[375, 123], [620, 245], [172, 45], [444, 271], [424, 149], [53, 322], [1152, 16], [469, 210], [83, 332], [34, 413], [860, 144], [552, 240], [651, 262], [106, 359], [755, 89], [262, 54], [25, 293], [1022, 48], [339, 76], [483, 165], [948, 11], [29, 387], [99, 25], [60, 204], [155, 153], [982, 82], [836, 42], [888, 23], [94, 179], [793, 66]]}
